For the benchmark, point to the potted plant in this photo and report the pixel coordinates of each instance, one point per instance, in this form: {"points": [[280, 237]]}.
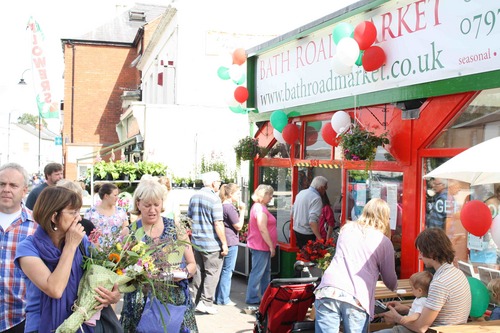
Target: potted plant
{"points": [[320, 252], [359, 144], [246, 150], [105, 171], [112, 170]]}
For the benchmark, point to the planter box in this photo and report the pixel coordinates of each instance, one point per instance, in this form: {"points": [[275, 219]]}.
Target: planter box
{"points": [[244, 261]]}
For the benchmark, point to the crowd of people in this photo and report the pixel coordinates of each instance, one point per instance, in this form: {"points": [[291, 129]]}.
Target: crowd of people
{"points": [[42, 261]]}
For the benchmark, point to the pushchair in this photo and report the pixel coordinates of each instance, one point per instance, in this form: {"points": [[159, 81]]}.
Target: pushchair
{"points": [[285, 303]]}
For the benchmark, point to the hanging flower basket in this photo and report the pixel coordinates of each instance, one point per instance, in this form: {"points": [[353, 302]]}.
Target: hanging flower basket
{"points": [[361, 145], [247, 149]]}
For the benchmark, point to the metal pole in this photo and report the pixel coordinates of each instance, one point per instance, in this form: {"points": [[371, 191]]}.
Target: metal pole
{"points": [[8, 139], [39, 139]]}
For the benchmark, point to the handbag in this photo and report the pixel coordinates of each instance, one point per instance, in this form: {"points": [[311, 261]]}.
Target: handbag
{"points": [[151, 319], [108, 323]]}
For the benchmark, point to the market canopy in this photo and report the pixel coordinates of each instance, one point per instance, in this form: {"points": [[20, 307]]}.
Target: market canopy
{"points": [[477, 165]]}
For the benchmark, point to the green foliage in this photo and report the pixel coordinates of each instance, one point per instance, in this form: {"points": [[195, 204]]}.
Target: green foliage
{"points": [[121, 169], [358, 175], [30, 119], [216, 163], [360, 144], [246, 150]]}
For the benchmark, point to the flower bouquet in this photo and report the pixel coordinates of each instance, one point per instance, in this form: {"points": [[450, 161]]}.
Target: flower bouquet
{"points": [[123, 260], [243, 234], [320, 252], [124, 200]]}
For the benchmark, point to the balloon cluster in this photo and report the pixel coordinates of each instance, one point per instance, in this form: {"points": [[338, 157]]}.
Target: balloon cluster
{"points": [[354, 47], [282, 130], [236, 74], [290, 133], [339, 124]]}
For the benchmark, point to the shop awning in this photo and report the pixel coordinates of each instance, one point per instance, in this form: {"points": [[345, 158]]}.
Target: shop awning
{"points": [[109, 149]]}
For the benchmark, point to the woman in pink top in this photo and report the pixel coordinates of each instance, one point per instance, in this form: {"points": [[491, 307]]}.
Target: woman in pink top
{"points": [[347, 289], [262, 239]]}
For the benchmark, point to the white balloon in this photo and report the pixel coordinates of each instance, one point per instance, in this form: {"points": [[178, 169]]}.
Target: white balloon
{"points": [[278, 136], [348, 51], [339, 67], [495, 230], [341, 121], [236, 72]]}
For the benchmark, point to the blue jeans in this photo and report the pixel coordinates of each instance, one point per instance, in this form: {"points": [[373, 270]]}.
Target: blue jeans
{"points": [[260, 276], [330, 312], [224, 287]]}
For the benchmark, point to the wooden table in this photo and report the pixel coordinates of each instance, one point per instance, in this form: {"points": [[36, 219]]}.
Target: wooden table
{"points": [[403, 290], [472, 327]]}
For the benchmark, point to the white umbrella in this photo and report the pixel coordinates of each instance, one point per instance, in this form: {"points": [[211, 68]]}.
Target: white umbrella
{"points": [[477, 165]]}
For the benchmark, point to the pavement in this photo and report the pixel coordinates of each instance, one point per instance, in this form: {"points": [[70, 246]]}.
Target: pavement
{"points": [[229, 318]]}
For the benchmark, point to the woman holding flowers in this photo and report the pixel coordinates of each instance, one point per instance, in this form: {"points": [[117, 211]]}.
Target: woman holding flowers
{"points": [[262, 240], [52, 260], [347, 290], [107, 216], [148, 202]]}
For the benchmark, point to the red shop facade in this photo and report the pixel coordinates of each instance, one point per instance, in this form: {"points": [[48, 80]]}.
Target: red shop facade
{"points": [[437, 94]]}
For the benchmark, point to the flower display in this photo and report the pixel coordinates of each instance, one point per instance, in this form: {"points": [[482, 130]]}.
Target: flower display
{"points": [[247, 149], [321, 252], [124, 200], [243, 234], [360, 144], [127, 261]]}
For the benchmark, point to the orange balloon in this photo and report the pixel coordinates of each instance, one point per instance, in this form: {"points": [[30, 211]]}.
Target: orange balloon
{"points": [[239, 56]]}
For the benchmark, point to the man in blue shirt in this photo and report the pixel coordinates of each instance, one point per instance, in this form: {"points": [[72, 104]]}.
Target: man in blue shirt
{"points": [[436, 216], [209, 238], [53, 173]]}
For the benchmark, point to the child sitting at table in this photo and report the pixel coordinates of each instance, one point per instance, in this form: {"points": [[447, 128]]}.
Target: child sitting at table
{"points": [[494, 289], [419, 283]]}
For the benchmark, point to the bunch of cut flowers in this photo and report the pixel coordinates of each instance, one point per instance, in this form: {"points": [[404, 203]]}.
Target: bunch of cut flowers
{"points": [[243, 234], [320, 252], [124, 200], [125, 260]]}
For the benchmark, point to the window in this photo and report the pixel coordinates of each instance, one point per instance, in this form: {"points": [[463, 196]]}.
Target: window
{"points": [[315, 147], [280, 205], [366, 185]]}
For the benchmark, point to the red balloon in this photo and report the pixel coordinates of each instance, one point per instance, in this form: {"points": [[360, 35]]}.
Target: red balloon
{"points": [[290, 133], [476, 217], [329, 134], [239, 56], [373, 58], [365, 34], [311, 136], [241, 94]]}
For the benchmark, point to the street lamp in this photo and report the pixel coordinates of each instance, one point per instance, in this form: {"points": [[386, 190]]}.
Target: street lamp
{"points": [[23, 83]]}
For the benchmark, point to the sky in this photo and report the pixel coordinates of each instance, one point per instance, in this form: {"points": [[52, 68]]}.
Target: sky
{"points": [[69, 18]]}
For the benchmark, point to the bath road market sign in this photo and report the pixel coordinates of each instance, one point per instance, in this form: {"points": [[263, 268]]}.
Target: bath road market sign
{"points": [[425, 41]]}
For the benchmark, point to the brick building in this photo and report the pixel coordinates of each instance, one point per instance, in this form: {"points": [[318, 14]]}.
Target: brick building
{"points": [[99, 69]]}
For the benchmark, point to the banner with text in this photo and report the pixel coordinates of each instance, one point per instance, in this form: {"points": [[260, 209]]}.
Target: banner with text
{"points": [[46, 107], [425, 41]]}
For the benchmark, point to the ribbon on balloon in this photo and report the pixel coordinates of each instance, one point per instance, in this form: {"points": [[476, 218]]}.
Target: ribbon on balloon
{"points": [[355, 47], [235, 75]]}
